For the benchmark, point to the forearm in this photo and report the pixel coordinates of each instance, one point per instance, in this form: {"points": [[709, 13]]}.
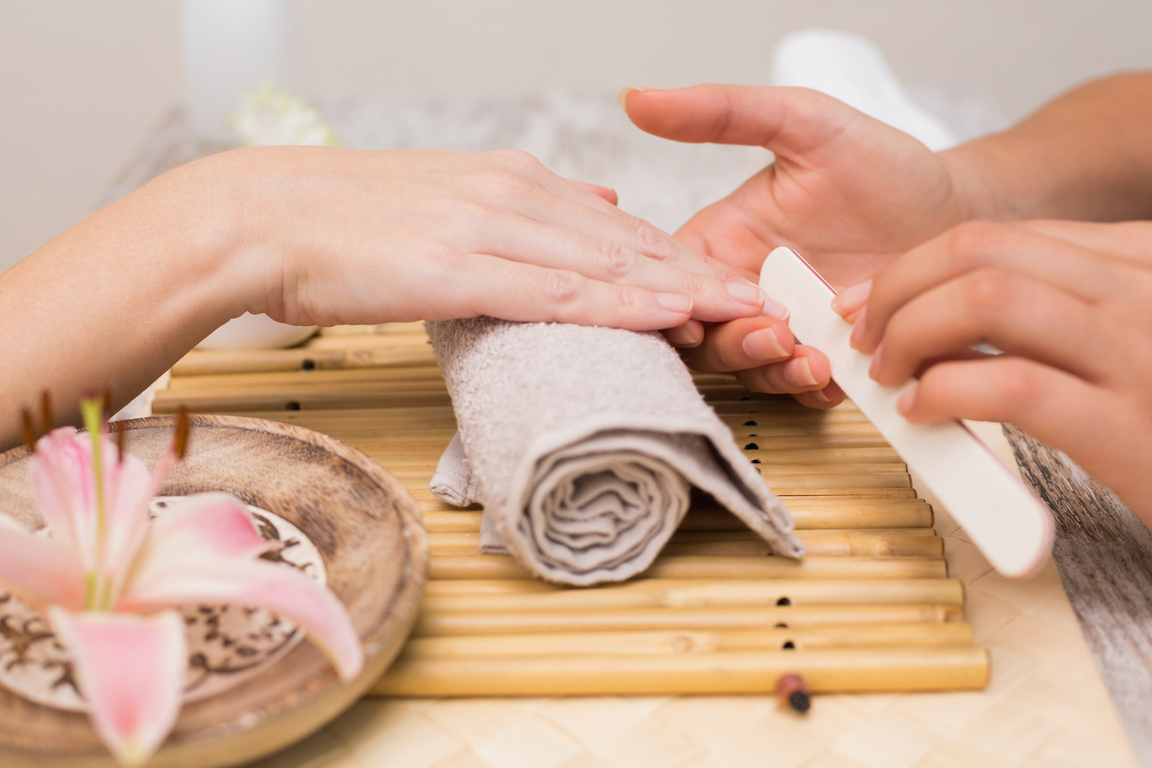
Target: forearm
{"points": [[121, 296], [1085, 156]]}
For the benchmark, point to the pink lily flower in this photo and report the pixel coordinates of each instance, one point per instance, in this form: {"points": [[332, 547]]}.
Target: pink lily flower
{"points": [[109, 579]]}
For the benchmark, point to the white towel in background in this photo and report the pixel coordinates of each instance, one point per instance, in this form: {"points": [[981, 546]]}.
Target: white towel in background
{"points": [[583, 443], [852, 69]]}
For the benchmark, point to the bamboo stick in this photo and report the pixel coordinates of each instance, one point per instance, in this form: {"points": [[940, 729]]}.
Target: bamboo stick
{"points": [[504, 567], [868, 455], [874, 669], [808, 513], [668, 642], [169, 402], [424, 375], [656, 593], [219, 362], [437, 623], [391, 454], [842, 544]]}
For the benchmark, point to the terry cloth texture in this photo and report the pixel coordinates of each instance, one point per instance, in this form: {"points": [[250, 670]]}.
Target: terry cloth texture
{"points": [[582, 445]]}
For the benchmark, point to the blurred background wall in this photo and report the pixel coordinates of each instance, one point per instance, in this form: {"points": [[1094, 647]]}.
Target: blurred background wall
{"points": [[83, 83]]}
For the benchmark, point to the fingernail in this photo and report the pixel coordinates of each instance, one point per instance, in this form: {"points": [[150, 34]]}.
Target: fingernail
{"points": [[851, 298], [773, 308], [762, 345], [907, 401], [681, 336], [674, 302], [858, 330], [746, 293], [622, 97], [799, 373], [874, 366], [821, 397]]}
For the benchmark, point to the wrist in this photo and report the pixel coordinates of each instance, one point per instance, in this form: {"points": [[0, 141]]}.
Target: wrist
{"points": [[222, 224], [976, 172]]}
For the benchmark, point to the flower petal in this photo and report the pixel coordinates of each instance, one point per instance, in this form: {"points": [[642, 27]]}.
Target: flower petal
{"points": [[256, 583], [130, 488], [131, 669], [62, 482], [199, 529], [38, 568]]}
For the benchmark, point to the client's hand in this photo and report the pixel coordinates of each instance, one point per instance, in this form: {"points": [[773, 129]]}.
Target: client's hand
{"points": [[1069, 303], [367, 237], [848, 192]]}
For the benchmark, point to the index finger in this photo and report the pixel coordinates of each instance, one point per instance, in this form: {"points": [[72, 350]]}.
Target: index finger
{"points": [[785, 120]]}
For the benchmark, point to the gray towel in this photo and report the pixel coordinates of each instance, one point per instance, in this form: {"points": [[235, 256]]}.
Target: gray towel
{"points": [[582, 444]]}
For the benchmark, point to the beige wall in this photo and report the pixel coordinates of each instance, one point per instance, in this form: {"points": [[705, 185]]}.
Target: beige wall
{"points": [[84, 81]]}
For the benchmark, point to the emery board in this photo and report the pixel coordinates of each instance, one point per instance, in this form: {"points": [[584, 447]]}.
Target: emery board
{"points": [[1009, 524]]}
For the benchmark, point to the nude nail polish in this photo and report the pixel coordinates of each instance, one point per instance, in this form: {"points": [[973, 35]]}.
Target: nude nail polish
{"points": [[674, 302], [852, 298], [800, 373], [622, 97], [746, 293], [762, 345], [857, 336], [773, 308]]}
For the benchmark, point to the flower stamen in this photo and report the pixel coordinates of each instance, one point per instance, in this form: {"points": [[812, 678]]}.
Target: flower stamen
{"points": [[28, 430]]}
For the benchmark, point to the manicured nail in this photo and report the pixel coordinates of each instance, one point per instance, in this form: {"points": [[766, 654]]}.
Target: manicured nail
{"points": [[821, 397], [746, 293], [858, 330], [907, 401], [681, 336], [799, 373], [852, 298], [762, 345], [674, 302], [622, 97], [874, 366], [773, 308]]}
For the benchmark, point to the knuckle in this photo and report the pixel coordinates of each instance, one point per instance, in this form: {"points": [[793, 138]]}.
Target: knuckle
{"points": [[696, 284], [651, 241], [516, 158], [626, 298], [562, 286], [970, 241], [1017, 384], [985, 291], [618, 260]]}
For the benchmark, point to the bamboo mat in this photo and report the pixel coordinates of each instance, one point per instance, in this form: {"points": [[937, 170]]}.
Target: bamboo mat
{"points": [[891, 598]]}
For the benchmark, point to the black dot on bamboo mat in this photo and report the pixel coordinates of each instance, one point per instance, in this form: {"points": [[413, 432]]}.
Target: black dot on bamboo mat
{"points": [[751, 423], [755, 461], [783, 601], [308, 365], [745, 398], [292, 405], [788, 646], [781, 625], [751, 447]]}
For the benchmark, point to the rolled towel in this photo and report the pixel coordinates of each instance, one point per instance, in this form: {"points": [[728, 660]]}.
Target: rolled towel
{"points": [[583, 444]]}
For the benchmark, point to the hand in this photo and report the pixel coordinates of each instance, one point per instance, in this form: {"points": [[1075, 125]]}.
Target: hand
{"points": [[342, 236], [1069, 303], [848, 192]]}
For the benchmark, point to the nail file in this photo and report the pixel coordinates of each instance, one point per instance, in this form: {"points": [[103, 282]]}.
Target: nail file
{"points": [[1010, 524]]}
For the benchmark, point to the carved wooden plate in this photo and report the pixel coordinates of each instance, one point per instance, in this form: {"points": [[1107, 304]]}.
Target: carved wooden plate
{"points": [[362, 522]]}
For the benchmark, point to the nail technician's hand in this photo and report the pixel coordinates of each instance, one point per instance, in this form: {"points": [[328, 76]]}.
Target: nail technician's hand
{"points": [[1069, 303], [369, 237], [848, 192]]}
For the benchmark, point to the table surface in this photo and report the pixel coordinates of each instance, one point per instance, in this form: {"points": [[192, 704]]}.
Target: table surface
{"points": [[1046, 703]]}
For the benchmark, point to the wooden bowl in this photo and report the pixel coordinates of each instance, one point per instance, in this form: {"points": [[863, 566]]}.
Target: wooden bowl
{"points": [[368, 531]]}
